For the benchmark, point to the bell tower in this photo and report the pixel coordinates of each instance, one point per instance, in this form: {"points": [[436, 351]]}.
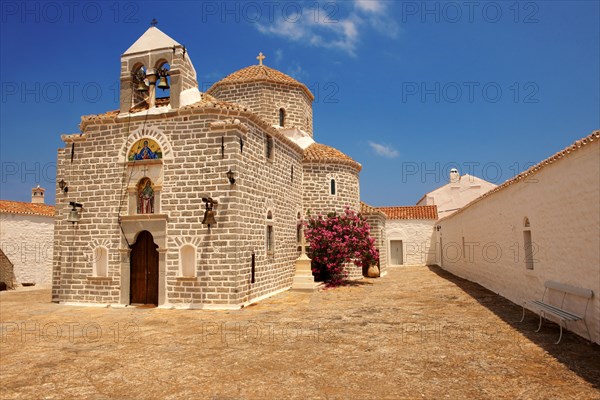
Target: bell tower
{"points": [[153, 65]]}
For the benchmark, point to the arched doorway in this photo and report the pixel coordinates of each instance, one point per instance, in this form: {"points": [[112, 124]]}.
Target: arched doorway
{"points": [[144, 270]]}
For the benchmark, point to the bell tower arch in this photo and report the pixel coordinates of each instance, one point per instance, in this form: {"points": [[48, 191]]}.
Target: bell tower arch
{"points": [[156, 61]]}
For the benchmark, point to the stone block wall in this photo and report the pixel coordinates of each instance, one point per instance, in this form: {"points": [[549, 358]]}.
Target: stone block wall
{"points": [[316, 188], [194, 166], [7, 274], [377, 223], [265, 99]]}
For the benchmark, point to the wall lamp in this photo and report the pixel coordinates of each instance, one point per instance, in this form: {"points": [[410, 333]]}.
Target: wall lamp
{"points": [[230, 176], [438, 228], [63, 186], [74, 216]]}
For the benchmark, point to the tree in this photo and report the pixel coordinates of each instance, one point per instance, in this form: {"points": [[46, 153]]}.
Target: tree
{"points": [[336, 240]]}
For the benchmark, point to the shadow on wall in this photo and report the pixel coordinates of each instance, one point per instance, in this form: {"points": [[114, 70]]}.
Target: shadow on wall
{"points": [[575, 352]]}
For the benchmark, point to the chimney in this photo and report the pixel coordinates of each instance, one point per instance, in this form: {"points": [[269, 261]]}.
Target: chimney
{"points": [[454, 176], [37, 195]]}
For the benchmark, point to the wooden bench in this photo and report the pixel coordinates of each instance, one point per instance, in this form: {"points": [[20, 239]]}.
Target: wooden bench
{"points": [[559, 312]]}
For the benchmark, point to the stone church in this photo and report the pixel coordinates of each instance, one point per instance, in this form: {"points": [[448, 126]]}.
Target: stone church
{"points": [[187, 199]]}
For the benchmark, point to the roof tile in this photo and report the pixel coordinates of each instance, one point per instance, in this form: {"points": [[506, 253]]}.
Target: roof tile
{"points": [[410, 212], [19, 207], [318, 152], [261, 73]]}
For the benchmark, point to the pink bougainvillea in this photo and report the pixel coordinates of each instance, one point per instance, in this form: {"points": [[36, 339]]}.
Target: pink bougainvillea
{"points": [[336, 240]]}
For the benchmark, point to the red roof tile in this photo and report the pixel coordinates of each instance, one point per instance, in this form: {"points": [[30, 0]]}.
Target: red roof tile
{"points": [[321, 153], [410, 212], [19, 207], [261, 73]]}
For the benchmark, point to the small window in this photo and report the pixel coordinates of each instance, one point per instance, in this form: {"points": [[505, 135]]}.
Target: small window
{"points": [[101, 261], [269, 239], [281, 117], [332, 188], [187, 260], [269, 148], [298, 229]]}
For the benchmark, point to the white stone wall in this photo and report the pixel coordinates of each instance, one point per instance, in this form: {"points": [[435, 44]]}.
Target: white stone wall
{"points": [[27, 241], [561, 203], [416, 235]]}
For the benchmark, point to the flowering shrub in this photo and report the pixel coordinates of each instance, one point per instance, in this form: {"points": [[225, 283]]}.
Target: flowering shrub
{"points": [[336, 240]]}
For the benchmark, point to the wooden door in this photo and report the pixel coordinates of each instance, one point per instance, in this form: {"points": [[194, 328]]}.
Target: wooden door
{"points": [[144, 270]]}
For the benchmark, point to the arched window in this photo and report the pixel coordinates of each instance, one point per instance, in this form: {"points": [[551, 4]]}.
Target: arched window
{"points": [[269, 235], [332, 188], [100, 261], [528, 245], [163, 84], [281, 117], [187, 260]]}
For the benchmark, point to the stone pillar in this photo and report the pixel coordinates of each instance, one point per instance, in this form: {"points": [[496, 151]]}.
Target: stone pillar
{"points": [[303, 280]]}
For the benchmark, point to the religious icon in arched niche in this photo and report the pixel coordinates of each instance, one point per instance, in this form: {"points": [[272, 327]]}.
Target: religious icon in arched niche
{"points": [[145, 149], [145, 197]]}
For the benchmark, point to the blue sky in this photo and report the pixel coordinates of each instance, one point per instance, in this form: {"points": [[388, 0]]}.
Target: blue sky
{"points": [[407, 88]]}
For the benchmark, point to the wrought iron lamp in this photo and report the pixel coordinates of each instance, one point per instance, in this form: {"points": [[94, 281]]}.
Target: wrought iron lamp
{"points": [[63, 186], [230, 176]]}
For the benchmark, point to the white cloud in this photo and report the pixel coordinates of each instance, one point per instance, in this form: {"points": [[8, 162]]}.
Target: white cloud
{"points": [[278, 56], [335, 30], [384, 150], [373, 6], [341, 34]]}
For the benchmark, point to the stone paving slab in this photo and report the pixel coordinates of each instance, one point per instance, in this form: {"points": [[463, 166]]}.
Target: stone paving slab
{"points": [[416, 333]]}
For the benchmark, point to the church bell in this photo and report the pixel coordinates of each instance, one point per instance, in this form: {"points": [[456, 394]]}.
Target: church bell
{"points": [[162, 83], [73, 216], [209, 218], [141, 87]]}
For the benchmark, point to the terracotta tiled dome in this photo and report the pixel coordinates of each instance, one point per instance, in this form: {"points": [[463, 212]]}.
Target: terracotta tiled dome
{"points": [[321, 153], [261, 73]]}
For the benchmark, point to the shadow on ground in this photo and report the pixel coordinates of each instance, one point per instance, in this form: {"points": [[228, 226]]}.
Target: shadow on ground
{"points": [[576, 353]]}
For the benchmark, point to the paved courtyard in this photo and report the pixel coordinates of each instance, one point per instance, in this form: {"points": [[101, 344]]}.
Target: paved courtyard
{"points": [[416, 333]]}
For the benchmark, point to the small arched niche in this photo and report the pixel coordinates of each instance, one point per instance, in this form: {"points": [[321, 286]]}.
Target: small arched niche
{"points": [[100, 261], [145, 196], [187, 261]]}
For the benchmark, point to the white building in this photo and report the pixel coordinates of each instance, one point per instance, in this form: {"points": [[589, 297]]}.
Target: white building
{"points": [[26, 238], [541, 225], [457, 193], [408, 232]]}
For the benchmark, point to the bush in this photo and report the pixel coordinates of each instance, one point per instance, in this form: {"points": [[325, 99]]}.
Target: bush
{"points": [[336, 240]]}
